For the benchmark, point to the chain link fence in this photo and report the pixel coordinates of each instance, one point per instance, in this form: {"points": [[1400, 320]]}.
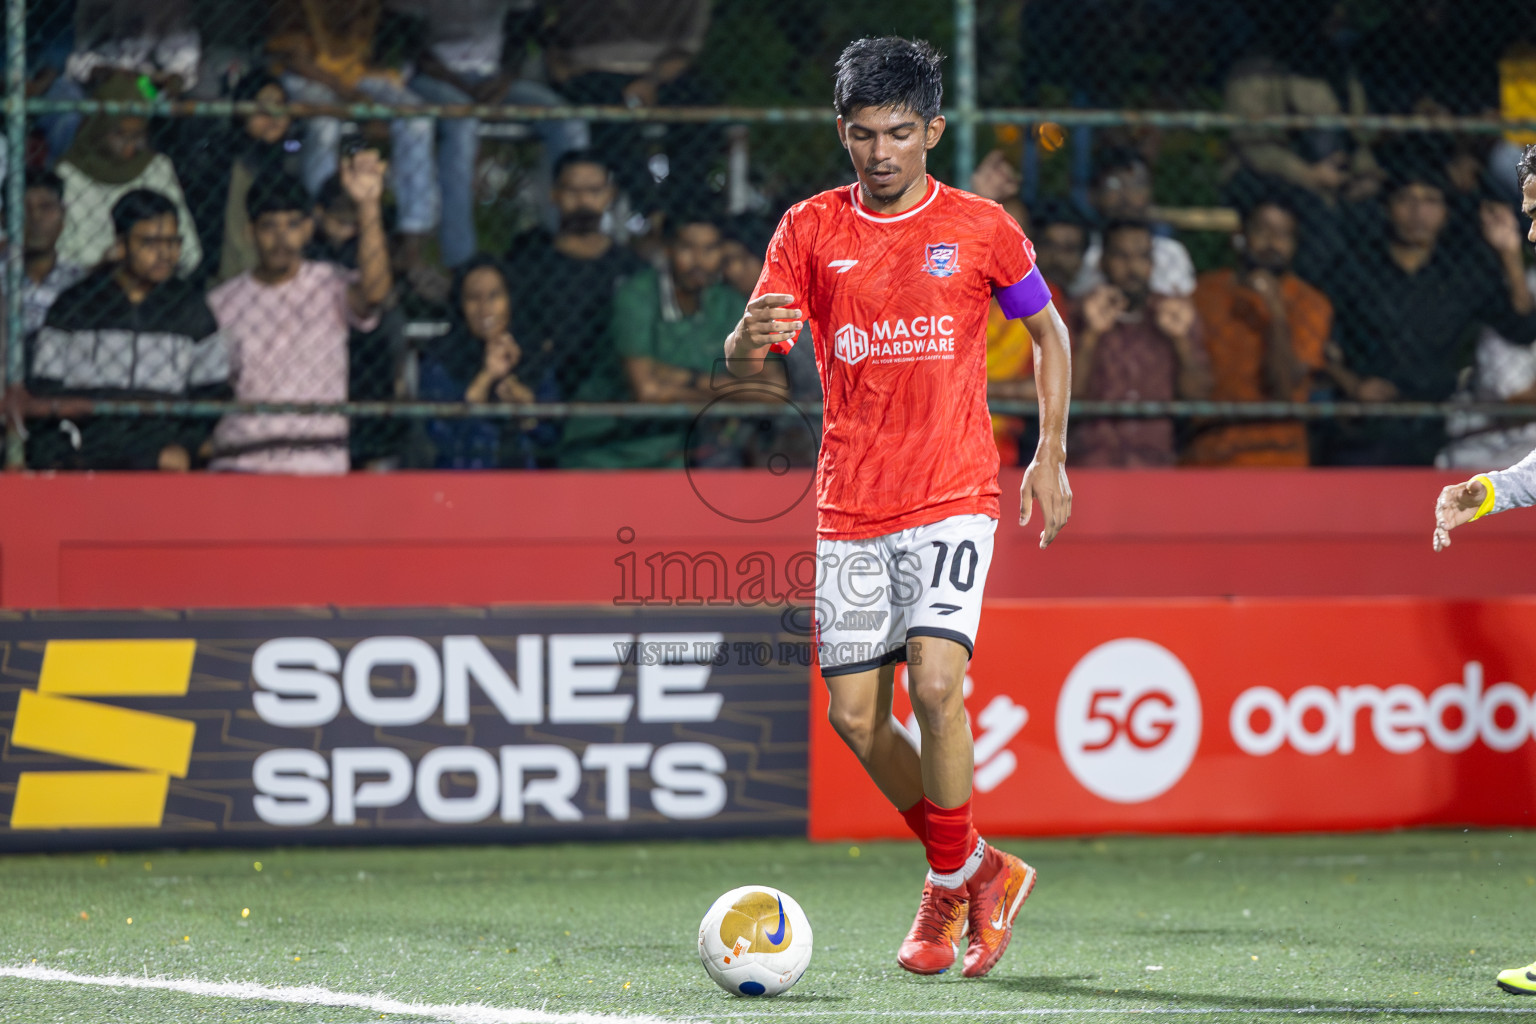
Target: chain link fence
{"points": [[1281, 234]]}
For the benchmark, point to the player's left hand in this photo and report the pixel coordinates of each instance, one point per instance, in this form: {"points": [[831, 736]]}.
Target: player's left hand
{"points": [[1456, 505], [1045, 481]]}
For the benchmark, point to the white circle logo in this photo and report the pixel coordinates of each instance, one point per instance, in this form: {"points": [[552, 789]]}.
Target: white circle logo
{"points": [[1128, 720]]}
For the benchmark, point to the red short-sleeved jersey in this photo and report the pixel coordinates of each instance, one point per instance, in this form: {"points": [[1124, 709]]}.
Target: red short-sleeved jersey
{"points": [[897, 306]]}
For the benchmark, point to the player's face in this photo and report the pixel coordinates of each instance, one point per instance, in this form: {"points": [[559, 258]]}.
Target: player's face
{"points": [[1418, 214], [1127, 262], [1528, 206], [889, 148], [696, 256], [1270, 239]]}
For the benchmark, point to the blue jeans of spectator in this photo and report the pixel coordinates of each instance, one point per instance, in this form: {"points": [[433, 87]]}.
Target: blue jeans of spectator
{"points": [[59, 129], [413, 175], [458, 148]]}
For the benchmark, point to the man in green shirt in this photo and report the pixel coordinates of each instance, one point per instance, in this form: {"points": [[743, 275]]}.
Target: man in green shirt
{"points": [[666, 331]]}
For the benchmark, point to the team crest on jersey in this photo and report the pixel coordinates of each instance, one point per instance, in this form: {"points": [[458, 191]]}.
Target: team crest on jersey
{"points": [[943, 258]]}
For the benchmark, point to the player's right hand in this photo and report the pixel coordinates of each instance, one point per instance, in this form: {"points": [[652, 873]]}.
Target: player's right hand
{"points": [[1457, 504], [771, 319]]}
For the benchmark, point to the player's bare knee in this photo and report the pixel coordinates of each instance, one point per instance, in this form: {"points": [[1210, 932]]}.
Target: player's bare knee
{"points": [[935, 696], [856, 726]]}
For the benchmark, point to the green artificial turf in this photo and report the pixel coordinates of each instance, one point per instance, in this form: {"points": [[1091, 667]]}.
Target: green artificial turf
{"points": [[1237, 928]]}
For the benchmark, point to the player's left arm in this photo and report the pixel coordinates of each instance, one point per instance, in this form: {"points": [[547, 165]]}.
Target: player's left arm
{"points": [[1022, 293], [1045, 480]]}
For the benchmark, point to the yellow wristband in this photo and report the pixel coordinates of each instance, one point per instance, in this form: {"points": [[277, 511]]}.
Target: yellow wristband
{"points": [[1488, 498]]}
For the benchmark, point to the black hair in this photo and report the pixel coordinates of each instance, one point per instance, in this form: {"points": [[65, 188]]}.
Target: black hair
{"points": [[331, 194], [37, 177], [751, 231], [478, 261], [692, 210], [1413, 161], [1114, 227], [1263, 199], [251, 84], [889, 71], [1118, 158], [572, 157], [1526, 168], [1052, 210], [140, 205], [279, 193]]}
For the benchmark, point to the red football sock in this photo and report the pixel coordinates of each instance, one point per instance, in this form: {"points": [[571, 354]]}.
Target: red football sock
{"points": [[916, 818], [949, 840]]}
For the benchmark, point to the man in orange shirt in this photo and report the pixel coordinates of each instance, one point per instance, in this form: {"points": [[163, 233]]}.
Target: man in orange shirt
{"points": [[1265, 329]]}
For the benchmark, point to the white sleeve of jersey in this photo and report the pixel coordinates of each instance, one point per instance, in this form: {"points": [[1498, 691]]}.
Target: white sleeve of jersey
{"points": [[1515, 487]]}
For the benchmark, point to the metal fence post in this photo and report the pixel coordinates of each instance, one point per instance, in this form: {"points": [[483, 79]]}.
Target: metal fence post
{"points": [[15, 195], [965, 89]]}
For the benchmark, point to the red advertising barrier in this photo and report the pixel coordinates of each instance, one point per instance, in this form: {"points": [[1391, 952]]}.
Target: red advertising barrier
{"points": [[123, 541], [1244, 714]]}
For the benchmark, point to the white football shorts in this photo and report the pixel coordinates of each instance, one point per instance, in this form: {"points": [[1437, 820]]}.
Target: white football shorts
{"points": [[874, 594]]}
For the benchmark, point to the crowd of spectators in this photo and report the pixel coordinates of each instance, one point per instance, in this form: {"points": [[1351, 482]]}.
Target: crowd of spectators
{"points": [[273, 259]]}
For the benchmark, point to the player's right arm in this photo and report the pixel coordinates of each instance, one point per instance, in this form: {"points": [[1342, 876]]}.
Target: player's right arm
{"points": [[1483, 495], [770, 319]]}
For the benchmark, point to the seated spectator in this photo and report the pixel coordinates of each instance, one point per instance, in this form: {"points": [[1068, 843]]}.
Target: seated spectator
{"points": [[636, 55], [287, 323], [325, 54], [1133, 345], [477, 362], [221, 168], [668, 325], [128, 330], [464, 61], [123, 38], [1061, 241], [1122, 190], [1265, 330], [1405, 304], [110, 157], [563, 284], [45, 276]]}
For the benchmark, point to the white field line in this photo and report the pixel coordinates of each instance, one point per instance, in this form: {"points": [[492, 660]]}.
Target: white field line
{"points": [[313, 995], [1145, 1011], [478, 1013]]}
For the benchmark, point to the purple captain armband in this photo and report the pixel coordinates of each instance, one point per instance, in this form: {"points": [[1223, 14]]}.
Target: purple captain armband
{"points": [[1025, 297]]}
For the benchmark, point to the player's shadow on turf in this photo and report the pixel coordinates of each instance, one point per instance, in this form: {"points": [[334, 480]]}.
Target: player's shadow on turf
{"points": [[1070, 986]]}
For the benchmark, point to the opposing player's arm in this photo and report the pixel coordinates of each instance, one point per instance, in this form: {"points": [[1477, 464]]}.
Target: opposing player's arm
{"points": [[1045, 480], [1483, 495], [770, 319]]}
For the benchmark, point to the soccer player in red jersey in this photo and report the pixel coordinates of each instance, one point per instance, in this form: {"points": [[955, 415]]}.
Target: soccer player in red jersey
{"points": [[895, 274]]}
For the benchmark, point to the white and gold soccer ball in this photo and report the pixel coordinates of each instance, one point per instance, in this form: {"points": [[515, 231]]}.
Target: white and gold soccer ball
{"points": [[755, 941]]}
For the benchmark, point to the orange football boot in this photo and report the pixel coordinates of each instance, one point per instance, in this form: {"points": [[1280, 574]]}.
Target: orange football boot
{"points": [[996, 891]]}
